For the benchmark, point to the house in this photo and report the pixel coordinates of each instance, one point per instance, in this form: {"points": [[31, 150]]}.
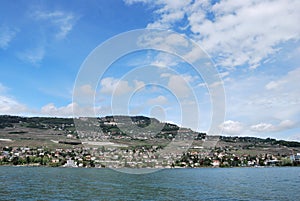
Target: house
{"points": [[70, 163], [272, 162], [216, 163], [295, 157]]}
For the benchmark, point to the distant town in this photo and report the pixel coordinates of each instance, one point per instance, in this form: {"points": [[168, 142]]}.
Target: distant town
{"points": [[131, 142]]}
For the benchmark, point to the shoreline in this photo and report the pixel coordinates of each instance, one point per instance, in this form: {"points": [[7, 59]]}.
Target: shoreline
{"points": [[164, 168]]}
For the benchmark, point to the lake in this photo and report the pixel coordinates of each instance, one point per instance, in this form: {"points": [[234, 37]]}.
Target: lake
{"points": [[43, 183]]}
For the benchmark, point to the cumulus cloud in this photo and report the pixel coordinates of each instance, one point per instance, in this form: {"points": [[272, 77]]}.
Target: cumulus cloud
{"points": [[114, 86], [235, 33], [179, 86], [163, 60], [238, 128], [9, 105], [264, 102], [84, 95], [262, 127], [232, 127], [267, 127], [166, 41], [119, 87], [70, 110], [159, 100], [86, 90]]}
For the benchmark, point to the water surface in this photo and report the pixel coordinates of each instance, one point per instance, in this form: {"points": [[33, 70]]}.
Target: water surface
{"points": [[42, 183]]}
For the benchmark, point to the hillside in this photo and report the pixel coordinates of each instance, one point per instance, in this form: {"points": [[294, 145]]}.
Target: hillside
{"points": [[116, 134]]}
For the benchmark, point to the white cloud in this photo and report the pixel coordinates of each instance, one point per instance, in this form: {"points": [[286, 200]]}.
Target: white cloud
{"points": [[237, 33], [118, 87], [195, 54], [232, 127], [114, 86], [163, 60], [9, 105], [70, 110], [263, 98], [62, 20], [179, 85], [51, 110], [159, 100], [138, 84], [163, 75], [238, 128], [267, 127], [166, 41], [286, 82], [170, 11], [262, 127], [215, 84], [33, 56], [6, 36], [86, 90], [284, 95], [84, 94], [224, 74], [272, 85]]}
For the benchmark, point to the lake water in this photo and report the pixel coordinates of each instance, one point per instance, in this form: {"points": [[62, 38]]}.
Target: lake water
{"points": [[41, 183]]}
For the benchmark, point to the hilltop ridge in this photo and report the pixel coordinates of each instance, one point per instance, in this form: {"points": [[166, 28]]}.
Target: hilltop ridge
{"points": [[111, 124]]}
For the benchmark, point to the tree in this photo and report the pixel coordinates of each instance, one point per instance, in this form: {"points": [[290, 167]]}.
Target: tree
{"points": [[286, 162], [15, 161]]}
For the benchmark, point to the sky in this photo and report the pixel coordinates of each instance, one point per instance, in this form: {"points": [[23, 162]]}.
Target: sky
{"points": [[253, 45]]}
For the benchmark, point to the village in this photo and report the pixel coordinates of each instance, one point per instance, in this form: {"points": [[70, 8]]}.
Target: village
{"points": [[142, 157]]}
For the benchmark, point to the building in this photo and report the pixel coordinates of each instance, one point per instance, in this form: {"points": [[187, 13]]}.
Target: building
{"points": [[70, 163], [295, 158]]}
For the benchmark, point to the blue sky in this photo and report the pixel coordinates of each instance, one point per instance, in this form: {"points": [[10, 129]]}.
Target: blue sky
{"points": [[254, 45]]}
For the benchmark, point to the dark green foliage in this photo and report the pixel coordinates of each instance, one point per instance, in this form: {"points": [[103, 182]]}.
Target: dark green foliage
{"points": [[288, 143], [255, 140]]}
